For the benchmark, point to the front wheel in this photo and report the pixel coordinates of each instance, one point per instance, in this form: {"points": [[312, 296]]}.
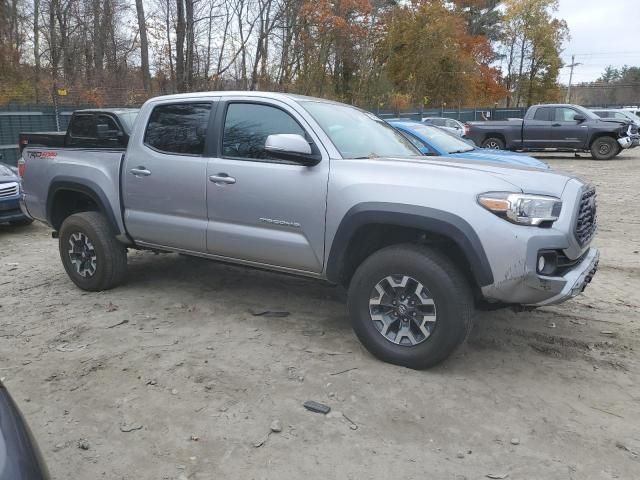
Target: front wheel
{"points": [[493, 143], [410, 305], [604, 148], [90, 253]]}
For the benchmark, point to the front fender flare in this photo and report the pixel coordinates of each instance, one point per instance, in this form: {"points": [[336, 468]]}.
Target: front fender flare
{"points": [[423, 218]]}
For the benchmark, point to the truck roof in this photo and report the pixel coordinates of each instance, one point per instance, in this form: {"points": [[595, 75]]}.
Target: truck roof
{"points": [[244, 93], [116, 111]]}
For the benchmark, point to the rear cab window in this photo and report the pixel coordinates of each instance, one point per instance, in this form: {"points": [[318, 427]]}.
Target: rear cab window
{"points": [[178, 128], [83, 125], [543, 114]]}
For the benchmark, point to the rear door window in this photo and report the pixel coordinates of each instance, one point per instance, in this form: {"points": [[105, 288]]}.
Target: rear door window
{"points": [[543, 114], [83, 126], [179, 128]]}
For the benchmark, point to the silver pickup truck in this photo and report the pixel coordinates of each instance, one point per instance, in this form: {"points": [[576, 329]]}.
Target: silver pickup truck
{"points": [[325, 190]]}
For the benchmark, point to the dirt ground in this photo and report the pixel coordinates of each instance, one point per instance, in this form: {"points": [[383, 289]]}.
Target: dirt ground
{"points": [[171, 377]]}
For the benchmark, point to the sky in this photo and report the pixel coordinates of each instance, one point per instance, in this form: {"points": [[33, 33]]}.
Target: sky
{"points": [[603, 32]]}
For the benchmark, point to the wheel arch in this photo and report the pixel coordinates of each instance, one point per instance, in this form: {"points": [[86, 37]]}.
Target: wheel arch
{"points": [[599, 135], [67, 196], [497, 135], [404, 221]]}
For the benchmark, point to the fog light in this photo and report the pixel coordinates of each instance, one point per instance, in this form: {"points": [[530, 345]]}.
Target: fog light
{"points": [[547, 262]]}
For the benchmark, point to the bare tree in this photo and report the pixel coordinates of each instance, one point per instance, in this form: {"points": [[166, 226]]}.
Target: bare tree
{"points": [[144, 47]]}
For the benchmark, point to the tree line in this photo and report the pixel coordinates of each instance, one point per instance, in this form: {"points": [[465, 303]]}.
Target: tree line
{"points": [[372, 53], [616, 86]]}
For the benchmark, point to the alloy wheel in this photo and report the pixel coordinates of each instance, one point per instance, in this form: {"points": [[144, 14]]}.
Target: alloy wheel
{"points": [[402, 310], [82, 254]]}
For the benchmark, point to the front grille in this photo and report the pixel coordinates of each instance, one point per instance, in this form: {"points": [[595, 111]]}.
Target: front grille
{"points": [[586, 223], [8, 190]]}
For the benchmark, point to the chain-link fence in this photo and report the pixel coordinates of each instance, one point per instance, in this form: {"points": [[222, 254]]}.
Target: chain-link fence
{"points": [[17, 118]]}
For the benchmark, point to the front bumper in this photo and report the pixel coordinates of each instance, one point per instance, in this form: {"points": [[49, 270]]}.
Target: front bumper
{"points": [[10, 211], [571, 284]]}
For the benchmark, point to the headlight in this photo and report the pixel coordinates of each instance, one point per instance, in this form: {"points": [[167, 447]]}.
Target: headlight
{"points": [[522, 208]]}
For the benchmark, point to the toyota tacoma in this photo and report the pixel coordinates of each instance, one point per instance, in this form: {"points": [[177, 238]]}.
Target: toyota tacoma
{"points": [[320, 189]]}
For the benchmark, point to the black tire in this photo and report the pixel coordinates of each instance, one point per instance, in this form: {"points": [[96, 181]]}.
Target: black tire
{"points": [[23, 222], [109, 265], [605, 148], [493, 143], [449, 290]]}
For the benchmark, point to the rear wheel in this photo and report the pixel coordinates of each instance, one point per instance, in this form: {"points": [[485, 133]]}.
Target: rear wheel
{"points": [[605, 148], [493, 143], [410, 305], [90, 253]]}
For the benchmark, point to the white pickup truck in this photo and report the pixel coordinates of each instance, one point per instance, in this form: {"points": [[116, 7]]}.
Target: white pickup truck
{"points": [[325, 190]]}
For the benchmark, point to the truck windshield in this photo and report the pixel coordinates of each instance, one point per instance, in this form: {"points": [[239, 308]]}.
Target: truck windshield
{"points": [[359, 134]]}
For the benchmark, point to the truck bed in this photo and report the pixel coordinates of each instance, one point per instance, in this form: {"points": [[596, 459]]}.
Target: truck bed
{"points": [[42, 139]]}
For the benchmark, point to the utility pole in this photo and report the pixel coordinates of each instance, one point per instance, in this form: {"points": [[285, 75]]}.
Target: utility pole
{"points": [[573, 64]]}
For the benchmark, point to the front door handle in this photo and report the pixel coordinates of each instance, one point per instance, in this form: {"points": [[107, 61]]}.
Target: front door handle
{"points": [[556, 124], [140, 172], [222, 179]]}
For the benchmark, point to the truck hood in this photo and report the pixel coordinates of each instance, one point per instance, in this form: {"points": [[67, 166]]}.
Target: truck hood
{"points": [[499, 156], [524, 179]]}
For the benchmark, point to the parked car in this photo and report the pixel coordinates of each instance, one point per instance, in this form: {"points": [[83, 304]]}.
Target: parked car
{"points": [[567, 128], [432, 141], [20, 458], [10, 197], [91, 128], [323, 190], [633, 110], [619, 114], [449, 124]]}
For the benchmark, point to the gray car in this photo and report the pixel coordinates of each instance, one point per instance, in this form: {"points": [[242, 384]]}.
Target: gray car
{"points": [[448, 124], [328, 191], [619, 114]]}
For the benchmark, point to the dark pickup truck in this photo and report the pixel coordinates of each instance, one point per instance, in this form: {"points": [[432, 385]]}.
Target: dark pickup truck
{"points": [[91, 128], [568, 128]]}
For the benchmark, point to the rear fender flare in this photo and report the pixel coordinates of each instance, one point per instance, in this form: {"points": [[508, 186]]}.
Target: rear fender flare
{"points": [[86, 187]]}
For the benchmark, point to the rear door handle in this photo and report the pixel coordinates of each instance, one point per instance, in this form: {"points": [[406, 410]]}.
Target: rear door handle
{"points": [[556, 124], [222, 179], [140, 172]]}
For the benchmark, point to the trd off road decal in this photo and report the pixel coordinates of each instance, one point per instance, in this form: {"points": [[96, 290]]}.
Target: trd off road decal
{"points": [[42, 154]]}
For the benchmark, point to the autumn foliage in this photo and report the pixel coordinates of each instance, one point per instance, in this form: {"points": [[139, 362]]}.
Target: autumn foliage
{"points": [[372, 53]]}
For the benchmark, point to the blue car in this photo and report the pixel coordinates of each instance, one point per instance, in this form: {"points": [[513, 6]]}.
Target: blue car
{"points": [[10, 186], [431, 140]]}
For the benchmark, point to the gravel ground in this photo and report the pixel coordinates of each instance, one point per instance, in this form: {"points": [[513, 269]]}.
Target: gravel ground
{"points": [[171, 377]]}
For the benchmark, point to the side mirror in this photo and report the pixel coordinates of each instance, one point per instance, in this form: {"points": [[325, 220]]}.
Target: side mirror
{"points": [[579, 118], [103, 132], [291, 146]]}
